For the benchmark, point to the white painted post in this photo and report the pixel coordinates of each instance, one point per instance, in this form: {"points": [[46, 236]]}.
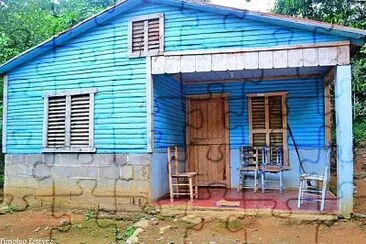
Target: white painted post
{"points": [[343, 108], [149, 106]]}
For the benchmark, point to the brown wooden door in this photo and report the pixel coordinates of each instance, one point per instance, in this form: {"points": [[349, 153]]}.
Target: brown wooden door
{"points": [[207, 139]]}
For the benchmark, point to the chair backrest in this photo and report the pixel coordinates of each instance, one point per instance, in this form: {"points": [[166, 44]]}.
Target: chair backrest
{"points": [[248, 156], [173, 160], [272, 156]]}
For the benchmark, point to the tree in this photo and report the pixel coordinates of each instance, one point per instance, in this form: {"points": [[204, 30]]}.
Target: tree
{"points": [[345, 12]]}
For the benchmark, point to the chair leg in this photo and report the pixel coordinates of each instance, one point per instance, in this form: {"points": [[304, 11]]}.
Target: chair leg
{"points": [[196, 189], [190, 188], [262, 179], [300, 194], [239, 183], [255, 181], [324, 191], [281, 181], [171, 189]]}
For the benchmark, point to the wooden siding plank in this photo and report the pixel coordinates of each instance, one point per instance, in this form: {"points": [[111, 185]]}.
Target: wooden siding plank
{"points": [[172, 65], [158, 65], [328, 56], [219, 62], [280, 59], [251, 60], [91, 120], [295, 58], [343, 55], [240, 62], [231, 61], [203, 63], [188, 63], [169, 99], [310, 57], [5, 114], [265, 60]]}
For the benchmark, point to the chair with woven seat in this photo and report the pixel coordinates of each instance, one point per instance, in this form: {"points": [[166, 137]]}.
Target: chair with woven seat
{"points": [[248, 159], [180, 183], [313, 187]]}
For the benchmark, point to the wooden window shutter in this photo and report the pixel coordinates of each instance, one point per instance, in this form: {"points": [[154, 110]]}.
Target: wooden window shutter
{"points": [[69, 122], [79, 128], [275, 112], [56, 122], [258, 113], [138, 36], [153, 34], [268, 121], [146, 35]]}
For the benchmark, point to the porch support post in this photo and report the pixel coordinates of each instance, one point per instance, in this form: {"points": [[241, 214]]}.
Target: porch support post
{"points": [[343, 108]]}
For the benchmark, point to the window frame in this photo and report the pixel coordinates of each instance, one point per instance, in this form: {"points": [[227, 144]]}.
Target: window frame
{"points": [[267, 130], [91, 148], [146, 52]]}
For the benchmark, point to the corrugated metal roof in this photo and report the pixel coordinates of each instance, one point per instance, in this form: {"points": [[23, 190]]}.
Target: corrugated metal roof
{"points": [[357, 36]]}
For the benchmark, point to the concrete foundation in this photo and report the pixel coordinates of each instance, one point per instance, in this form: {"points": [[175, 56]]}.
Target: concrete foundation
{"points": [[112, 182]]}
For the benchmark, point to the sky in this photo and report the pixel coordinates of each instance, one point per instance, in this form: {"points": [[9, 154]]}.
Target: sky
{"points": [[258, 5]]}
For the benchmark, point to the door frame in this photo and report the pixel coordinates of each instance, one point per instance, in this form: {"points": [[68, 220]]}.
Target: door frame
{"points": [[206, 96]]}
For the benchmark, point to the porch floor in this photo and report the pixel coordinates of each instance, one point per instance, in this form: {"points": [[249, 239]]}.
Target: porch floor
{"points": [[271, 199]]}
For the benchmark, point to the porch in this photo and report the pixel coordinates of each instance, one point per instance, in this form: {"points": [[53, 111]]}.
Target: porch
{"points": [[197, 97], [250, 202]]}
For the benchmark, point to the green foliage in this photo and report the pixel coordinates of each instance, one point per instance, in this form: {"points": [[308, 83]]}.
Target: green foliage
{"points": [[359, 131], [351, 13], [8, 208], [90, 214], [24, 24], [123, 236]]}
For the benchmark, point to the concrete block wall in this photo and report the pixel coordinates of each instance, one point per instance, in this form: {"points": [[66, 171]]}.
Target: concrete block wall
{"points": [[110, 181]]}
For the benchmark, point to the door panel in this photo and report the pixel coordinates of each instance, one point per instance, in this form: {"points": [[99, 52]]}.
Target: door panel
{"points": [[207, 139]]}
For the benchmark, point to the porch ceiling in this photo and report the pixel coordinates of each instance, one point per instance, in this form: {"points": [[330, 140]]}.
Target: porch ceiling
{"points": [[253, 75]]}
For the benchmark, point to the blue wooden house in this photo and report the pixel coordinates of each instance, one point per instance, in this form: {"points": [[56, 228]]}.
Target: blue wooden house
{"points": [[95, 107]]}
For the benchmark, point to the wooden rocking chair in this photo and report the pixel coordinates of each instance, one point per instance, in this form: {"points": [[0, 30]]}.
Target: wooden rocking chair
{"points": [[180, 183]]}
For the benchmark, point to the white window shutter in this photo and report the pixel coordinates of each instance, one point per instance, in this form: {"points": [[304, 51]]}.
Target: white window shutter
{"points": [[56, 122], [79, 127]]}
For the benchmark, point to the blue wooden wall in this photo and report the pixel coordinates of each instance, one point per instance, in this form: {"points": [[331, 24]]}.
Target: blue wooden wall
{"points": [[98, 58], [169, 113]]}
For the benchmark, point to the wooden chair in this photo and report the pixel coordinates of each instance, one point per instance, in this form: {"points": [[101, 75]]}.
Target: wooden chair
{"points": [[248, 167], [180, 183], [313, 187], [271, 166]]}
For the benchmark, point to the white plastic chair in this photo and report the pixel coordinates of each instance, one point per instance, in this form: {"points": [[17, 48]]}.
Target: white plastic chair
{"points": [[309, 189]]}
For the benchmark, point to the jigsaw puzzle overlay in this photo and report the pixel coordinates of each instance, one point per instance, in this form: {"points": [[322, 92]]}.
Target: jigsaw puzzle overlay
{"points": [[114, 180]]}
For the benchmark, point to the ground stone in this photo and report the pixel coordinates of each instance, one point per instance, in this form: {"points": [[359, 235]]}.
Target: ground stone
{"points": [[143, 223], [192, 219], [163, 229], [133, 239]]}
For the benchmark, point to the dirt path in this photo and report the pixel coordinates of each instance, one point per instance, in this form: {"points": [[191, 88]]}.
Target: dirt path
{"points": [[39, 224]]}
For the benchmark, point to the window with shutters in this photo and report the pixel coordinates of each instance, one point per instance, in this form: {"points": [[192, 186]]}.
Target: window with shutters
{"points": [[69, 122], [146, 35], [268, 121]]}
